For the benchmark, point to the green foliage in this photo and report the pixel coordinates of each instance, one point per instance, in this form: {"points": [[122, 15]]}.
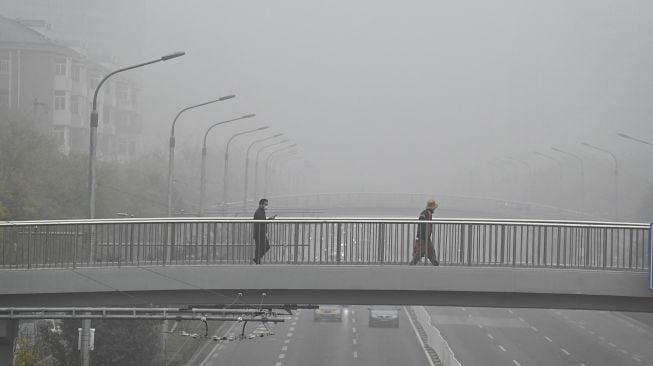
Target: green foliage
{"points": [[25, 354]]}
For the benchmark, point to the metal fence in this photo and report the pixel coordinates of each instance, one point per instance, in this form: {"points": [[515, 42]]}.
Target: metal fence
{"points": [[505, 243]]}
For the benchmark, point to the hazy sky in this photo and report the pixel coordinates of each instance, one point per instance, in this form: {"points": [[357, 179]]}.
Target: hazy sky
{"points": [[406, 96]]}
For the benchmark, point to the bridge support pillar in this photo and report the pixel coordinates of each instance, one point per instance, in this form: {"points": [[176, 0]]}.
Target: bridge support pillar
{"points": [[8, 333]]}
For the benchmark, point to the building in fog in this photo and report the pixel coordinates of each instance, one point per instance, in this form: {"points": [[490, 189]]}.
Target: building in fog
{"points": [[50, 83]]}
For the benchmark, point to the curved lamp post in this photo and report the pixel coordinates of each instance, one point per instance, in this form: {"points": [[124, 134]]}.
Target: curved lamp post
{"points": [[226, 160], [616, 176], [203, 166], [582, 175], [249, 148], [256, 163], [282, 153], [171, 153], [94, 125]]}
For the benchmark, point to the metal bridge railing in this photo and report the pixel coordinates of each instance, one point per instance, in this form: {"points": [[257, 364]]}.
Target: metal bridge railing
{"points": [[475, 242]]}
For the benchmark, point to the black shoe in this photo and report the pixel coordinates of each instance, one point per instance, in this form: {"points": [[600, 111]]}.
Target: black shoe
{"points": [[255, 261], [436, 263]]}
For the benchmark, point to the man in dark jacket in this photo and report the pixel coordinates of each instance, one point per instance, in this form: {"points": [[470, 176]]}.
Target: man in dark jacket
{"points": [[424, 241], [262, 244]]}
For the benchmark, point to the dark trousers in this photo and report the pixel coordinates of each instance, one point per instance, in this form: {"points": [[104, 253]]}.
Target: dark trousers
{"points": [[424, 249], [262, 245]]}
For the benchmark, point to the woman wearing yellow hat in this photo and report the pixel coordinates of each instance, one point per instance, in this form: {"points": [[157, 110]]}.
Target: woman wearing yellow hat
{"points": [[424, 241]]}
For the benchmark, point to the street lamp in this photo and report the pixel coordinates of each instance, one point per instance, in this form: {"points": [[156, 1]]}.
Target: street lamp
{"points": [[616, 176], [203, 166], [267, 163], [552, 159], [247, 162], [529, 196], [226, 160], [94, 125], [582, 176], [634, 139], [171, 155], [256, 164]]}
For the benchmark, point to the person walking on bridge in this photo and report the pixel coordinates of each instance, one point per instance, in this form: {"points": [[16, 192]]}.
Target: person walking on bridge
{"points": [[424, 241], [261, 242]]}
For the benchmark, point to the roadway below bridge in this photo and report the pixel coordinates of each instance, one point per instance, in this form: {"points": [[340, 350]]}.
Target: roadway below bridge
{"points": [[303, 341]]}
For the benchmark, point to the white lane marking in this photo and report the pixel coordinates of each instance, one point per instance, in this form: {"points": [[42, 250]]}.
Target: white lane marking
{"points": [[548, 339], [521, 319], [490, 336], [637, 359], [502, 348], [419, 339], [278, 364], [516, 363], [602, 338], [281, 355], [353, 330], [480, 326], [591, 332], [581, 326], [353, 320], [292, 329], [612, 344], [463, 309], [510, 311], [354, 340], [289, 335], [534, 329], [286, 341], [294, 323], [355, 354], [624, 351], [565, 351], [284, 348]]}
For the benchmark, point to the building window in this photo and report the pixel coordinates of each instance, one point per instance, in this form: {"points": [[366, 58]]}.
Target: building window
{"points": [[123, 93], [60, 66], [4, 99], [76, 72], [4, 66], [74, 104], [59, 101], [59, 135]]}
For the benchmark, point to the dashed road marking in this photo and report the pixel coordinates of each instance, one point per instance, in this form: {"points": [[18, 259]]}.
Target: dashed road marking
{"points": [[565, 351], [602, 338], [624, 351], [480, 325], [353, 330], [612, 344], [284, 348], [463, 309], [355, 354], [637, 359], [353, 320], [502, 348], [354, 340], [282, 355], [521, 319], [289, 335], [490, 336], [534, 329], [294, 323], [286, 341], [548, 339], [516, 363], [591, 332], [581, 326], [278, 364], [292, 329], [510, 311]]}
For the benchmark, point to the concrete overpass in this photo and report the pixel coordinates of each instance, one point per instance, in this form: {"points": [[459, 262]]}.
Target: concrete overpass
{"points": [[497, 263], [328, 284]]}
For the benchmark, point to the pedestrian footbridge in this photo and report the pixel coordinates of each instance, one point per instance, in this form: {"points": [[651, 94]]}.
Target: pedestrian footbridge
{"points": [[493, 263]]}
